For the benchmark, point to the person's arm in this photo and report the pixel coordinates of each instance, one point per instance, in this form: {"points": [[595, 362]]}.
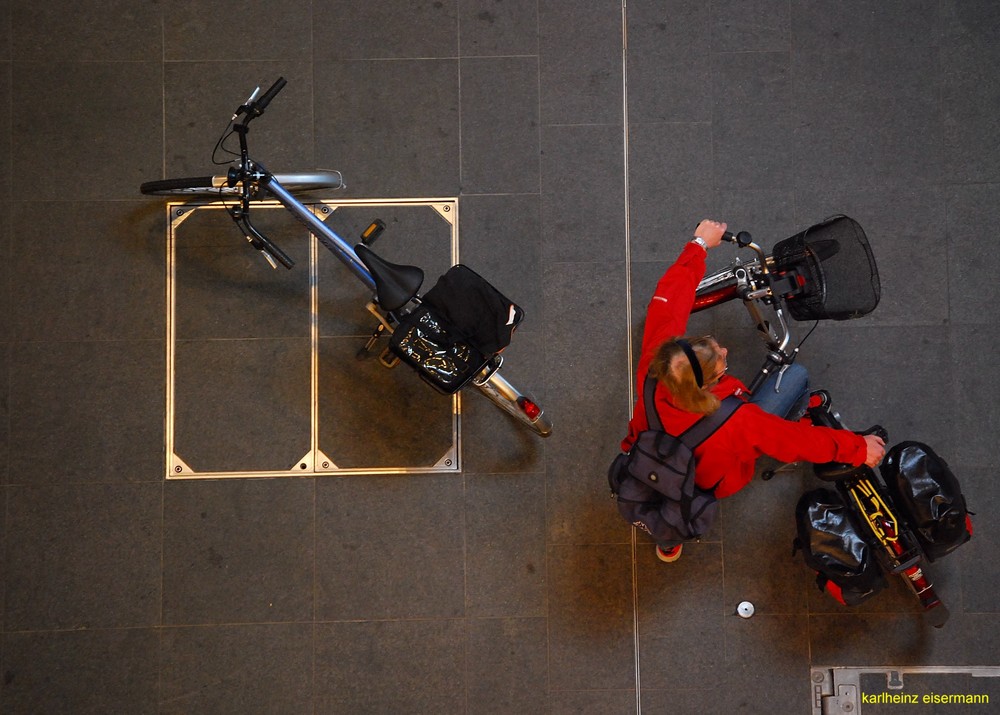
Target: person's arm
{"points": [[789, 441], [670, 306]]}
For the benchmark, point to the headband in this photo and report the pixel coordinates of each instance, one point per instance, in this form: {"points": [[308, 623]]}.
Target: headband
{"points": [[693, 359]]}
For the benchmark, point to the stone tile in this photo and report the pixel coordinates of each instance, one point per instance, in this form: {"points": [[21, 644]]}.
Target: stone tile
{"points": [[972, 294], [856, 24], [752, 121], [669, 70], [4, 568], [764, 657], [82, 556], [6, 86], [242, 405], [237, 669], [964, 22], [977, 394], [497, 27], [238, 551], [583, 204], [81, 671], [371, 417], [391, 127], [969, 83], [382, 29], [199, 97], [105, 283], [670, 187], [912, 400], [86, 412], [390, 547], [591, 638], [107, 149], [588, 383], [690, 587], [224, 289], [591, 702], [692, 647], [509, 671], [5, 38], [266, 30], [498, 238], [391, 666], [877, 108], [500, 134], [978, 585], [901, 639], [505, 546], [761, 26], [683, 700], [758, 531], [580, 62], [89, 31]]}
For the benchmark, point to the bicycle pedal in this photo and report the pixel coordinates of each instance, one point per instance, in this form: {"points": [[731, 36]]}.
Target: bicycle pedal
{"points": [[374, 230]]}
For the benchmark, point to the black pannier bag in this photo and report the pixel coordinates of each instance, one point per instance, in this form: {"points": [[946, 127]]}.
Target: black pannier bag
{"points": [[927, 492], [461, 323], [834, 548]]}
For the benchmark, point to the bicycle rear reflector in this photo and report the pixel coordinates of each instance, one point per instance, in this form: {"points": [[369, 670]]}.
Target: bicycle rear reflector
{"points": [[529, 408]]}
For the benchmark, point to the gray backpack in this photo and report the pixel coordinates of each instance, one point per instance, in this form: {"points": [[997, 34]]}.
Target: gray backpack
{"points": [[655, 482]]}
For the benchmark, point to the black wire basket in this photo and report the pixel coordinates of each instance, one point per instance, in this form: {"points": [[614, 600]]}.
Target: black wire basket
{"points": [[835, 268]]}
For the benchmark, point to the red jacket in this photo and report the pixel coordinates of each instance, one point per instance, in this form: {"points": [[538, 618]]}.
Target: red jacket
{"points": [[727, 457]]}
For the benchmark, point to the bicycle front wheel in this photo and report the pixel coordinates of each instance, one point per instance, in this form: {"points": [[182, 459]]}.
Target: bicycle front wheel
{"points": [[516, 404], [215, 186]]}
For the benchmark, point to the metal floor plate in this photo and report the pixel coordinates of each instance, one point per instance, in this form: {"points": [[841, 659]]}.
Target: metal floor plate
{"points": [[262, 376]]}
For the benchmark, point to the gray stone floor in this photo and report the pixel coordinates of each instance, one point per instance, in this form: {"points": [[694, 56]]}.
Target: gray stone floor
{"points": [[512, 587]]}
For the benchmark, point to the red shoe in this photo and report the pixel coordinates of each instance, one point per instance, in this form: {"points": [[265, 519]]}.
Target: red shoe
{"points": [[670, 555]]}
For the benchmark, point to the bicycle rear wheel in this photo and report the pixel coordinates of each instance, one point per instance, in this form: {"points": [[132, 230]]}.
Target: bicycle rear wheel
{"points": [[215, 186], [519, 406]]}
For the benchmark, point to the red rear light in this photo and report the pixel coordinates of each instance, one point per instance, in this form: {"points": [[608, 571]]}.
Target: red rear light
{"points": [[529, 408]]}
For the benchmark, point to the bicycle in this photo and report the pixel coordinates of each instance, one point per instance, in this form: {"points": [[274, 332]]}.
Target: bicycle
{"points": [[428, 332], [825, 273]]}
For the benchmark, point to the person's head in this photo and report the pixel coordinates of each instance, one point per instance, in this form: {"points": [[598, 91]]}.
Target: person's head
{"points": [[689, 368]]}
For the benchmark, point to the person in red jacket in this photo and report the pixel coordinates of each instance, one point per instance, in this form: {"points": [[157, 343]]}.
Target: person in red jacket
{"points": [[692, 380]]}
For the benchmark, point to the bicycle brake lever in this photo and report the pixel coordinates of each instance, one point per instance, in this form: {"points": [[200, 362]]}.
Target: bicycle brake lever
{"points": [[243, 108]]}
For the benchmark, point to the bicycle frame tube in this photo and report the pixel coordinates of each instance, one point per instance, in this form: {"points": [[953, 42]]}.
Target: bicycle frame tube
{"points": [[327, 236]]}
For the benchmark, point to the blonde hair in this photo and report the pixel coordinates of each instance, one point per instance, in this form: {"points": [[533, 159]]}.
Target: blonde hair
{"points": [[672, 367]]}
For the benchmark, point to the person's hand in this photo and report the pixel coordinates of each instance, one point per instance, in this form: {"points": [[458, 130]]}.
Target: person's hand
{"points": [[710, 232], [876, 450]]}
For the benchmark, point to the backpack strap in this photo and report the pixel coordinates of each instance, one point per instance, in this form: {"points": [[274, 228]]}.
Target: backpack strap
{"points": [[700, 430]]}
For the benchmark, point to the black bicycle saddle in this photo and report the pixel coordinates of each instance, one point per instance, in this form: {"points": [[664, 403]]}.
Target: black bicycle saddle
{"points": [[395, 284]]}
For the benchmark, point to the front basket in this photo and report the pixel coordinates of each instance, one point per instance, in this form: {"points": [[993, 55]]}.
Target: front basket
{"points": [[838, 267]]}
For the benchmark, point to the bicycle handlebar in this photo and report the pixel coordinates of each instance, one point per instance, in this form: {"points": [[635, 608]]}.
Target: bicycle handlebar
{"points": [[265, 100]]}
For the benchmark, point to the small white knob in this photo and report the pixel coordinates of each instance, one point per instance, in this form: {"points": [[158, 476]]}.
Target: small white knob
{"points": [[745, 609]]}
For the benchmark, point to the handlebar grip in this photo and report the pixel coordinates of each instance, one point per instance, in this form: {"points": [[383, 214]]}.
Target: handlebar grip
{"points": [[265, 100]]}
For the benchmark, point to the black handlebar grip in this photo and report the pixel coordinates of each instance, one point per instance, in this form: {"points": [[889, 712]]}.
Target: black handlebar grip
{"points": [[265, 100]]}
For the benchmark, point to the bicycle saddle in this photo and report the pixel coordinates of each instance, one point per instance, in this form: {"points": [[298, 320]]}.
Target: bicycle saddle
{"points": [[395, 284]]}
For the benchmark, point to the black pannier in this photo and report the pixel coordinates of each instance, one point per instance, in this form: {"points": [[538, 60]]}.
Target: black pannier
{"points": [[927, 492], [461, 323], [833, 547]]}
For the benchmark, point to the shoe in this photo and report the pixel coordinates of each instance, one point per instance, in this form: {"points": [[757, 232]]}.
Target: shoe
{"points": [[670, 555]]}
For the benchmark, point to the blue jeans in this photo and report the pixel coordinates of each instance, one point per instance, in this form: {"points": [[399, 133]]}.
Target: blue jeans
{"points": [[787, 397]]}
